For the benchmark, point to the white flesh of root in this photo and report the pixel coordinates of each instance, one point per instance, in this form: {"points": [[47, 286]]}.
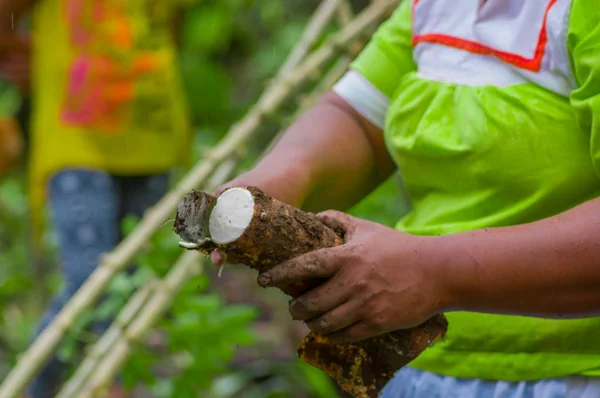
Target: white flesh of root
{"points": [[189, 245], [231, 215]]}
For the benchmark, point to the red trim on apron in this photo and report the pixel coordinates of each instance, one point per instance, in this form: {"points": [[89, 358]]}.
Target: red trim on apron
{"points": [[533, 64]]}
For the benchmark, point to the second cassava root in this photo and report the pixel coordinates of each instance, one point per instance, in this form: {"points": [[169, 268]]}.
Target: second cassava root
{"points": [[261, 232]]}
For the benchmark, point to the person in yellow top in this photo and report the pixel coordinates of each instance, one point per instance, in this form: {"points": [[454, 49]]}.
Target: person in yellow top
{"points": [[109, 122]]}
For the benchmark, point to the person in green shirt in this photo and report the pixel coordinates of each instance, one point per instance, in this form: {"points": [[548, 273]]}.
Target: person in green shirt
{"points": [[490, 110]]}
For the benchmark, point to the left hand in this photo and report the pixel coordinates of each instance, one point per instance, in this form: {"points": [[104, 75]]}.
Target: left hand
{"points": [[380, 280]]}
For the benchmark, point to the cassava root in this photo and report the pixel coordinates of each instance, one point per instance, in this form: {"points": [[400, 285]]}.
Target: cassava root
{"points": [[261, 232]]}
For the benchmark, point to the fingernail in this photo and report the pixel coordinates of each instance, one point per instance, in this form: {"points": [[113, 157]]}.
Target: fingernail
{"points": [[264, 279]]}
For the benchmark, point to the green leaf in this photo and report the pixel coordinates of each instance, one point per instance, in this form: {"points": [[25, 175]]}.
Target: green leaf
{"points": [[128, 224], [242, 337], [164, 388], [138, 368], [10, 98], [67, 350], [320, 384], [195, 285], [108, 308], [203, 304], [207, 89], [121, 285], [238, 315]]}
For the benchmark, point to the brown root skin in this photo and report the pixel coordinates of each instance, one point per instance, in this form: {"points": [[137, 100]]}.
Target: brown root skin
{"points": [[278, 232], [364, 368]]}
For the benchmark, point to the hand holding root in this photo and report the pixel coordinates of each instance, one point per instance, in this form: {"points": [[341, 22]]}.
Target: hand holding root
{"points": [[266, 235], [376, 282]]}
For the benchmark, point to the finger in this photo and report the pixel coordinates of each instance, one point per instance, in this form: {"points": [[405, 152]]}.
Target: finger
{"points": [[342, 223], [236, 182], [356, 332], [320, 300], [217, 257], [222, 188], [322, 263], [337, 319]]}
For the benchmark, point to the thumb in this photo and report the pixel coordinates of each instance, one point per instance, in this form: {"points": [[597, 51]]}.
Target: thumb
{"points": [[217, 192], [343, 224], [239, 181]]}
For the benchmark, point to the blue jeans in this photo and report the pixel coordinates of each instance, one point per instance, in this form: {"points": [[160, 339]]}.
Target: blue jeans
{"points": [[87, 208], [412, 383]]}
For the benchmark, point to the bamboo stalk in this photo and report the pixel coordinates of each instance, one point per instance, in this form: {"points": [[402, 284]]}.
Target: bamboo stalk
{"points": [[106, 341], [345, 16], [311, 33], [334, 74], [43, 347], [344, 12], [362, 24], [165, 291], [137, 305], [305, 103]]}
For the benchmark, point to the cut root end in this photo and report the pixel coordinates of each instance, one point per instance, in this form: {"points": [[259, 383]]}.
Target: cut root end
{"points": [[189, 245], [231, 215]]}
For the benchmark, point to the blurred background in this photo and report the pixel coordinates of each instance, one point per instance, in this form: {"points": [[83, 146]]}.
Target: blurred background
{"points": [[222, 337]]}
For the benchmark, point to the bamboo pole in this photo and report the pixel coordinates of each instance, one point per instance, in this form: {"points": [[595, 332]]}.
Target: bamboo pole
{"points": [[159, 302], [345, 16], [137, 305], [362, 24], [43, 347], [107, 341], [305, 103], [344, 12], [311, 33]]}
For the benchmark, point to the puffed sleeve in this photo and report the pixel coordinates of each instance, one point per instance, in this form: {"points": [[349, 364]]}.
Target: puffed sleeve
{"points": [[376, 73]]}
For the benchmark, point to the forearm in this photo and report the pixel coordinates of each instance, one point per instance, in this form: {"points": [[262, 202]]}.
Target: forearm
{"points": [[548, 268], [330, 158]]}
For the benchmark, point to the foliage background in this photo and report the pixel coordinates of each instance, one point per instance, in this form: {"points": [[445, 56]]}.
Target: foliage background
{"points": [[229, 51]]}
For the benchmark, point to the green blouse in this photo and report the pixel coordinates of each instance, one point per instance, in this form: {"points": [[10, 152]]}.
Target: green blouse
{"points": [[484, 155]]}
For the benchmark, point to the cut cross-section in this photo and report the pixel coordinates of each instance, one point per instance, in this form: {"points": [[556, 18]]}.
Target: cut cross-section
{"points": [[231, 215]]}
